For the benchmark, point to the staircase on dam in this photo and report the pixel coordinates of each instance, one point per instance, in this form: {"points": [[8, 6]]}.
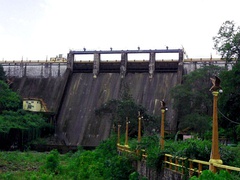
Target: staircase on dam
{"points": [[73, 90]]}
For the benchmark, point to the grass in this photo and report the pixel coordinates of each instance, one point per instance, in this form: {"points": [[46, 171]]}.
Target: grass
{"points": [[20, 161], [24, 165]]}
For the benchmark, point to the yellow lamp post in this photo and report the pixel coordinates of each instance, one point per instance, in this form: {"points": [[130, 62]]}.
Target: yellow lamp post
{"points": [[118, 142], [163, 109], [126, 134], [215, 155], [139, 126], [139, 130]]}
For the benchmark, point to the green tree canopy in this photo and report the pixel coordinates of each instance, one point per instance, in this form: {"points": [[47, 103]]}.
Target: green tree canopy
{"points": [[227, 41], [9, 100], [16, 125], [2, 73], [193, 100], [124, 108], [229, 101], [22, 120]]}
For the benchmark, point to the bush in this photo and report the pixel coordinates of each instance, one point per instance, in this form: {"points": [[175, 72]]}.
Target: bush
{"points": [[209, 175], [52, 162]]}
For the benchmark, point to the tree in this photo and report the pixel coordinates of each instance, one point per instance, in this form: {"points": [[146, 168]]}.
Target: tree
{"points": [[18, 127], [9, 100], [2, 73], [229, 101], [193, 100], [124, 108], [227, 42]]}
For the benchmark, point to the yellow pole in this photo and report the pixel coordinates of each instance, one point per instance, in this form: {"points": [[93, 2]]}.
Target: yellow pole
{"points": [[162, 129], [215, 155], [118, 142], [139, 132], [126, 135], [139, 127]]}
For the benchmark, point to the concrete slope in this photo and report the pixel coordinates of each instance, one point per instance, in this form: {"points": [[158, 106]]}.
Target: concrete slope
{"points": [[149, 92], [50, 89], [77, 119], [77, 123]]}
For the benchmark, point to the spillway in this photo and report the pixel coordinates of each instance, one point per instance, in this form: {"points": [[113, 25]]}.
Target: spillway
{"points": [[77, 123]]}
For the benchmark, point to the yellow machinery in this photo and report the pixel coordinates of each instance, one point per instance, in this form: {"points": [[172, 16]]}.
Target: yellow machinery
{"points": [[34, 104]]}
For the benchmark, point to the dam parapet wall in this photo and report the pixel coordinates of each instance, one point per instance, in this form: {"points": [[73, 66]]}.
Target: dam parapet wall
{"points": [[34, 69]]}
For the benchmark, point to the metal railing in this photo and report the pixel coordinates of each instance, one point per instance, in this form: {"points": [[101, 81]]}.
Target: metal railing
{"points": [[180, 164]]}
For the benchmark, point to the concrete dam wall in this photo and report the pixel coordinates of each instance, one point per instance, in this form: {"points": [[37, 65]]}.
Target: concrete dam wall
{"points": [[73, 90], [50, 89], [77, 123]]}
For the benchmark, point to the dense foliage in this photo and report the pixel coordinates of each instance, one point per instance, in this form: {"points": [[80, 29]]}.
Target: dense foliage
{"points": [[190, 148], [209, 175], [17, 127], [2, 73], [126, 109], [193, 100], [9, 100], [20, 120], [104, 163], [229, 102], [227, 41]]}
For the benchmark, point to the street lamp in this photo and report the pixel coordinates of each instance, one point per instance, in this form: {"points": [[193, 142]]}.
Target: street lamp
{"points": [[118, 142], [215, 155], [139, 126], [126, 134], [163, 109], [139, 130]]}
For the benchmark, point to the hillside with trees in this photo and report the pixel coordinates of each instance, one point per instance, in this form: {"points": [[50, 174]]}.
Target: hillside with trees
{"points": [[18, 127]]}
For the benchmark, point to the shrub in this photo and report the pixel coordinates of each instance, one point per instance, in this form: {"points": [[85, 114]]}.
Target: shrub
{"points": [[52, 161], [209, 175]]}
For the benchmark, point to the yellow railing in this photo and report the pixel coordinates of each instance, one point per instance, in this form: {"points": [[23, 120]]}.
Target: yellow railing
{"points": [[180, 164], [123, 148]]}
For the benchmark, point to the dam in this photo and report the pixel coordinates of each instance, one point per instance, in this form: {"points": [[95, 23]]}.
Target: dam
{"points": [[73, 89]]}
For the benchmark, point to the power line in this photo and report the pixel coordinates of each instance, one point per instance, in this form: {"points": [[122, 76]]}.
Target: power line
{"points": [[228, 118]]}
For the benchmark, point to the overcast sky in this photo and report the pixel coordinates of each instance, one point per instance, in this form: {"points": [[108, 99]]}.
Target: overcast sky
{"points": [[34, 29]]}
